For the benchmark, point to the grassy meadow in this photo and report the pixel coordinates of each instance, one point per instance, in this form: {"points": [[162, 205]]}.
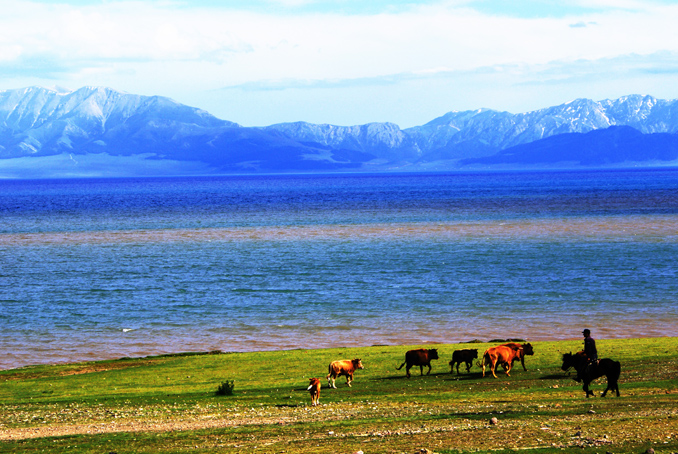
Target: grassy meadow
{"points": [[169, 404]]}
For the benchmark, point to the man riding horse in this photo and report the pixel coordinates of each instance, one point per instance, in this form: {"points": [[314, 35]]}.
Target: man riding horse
{"points": [[590, 351], [589, 367]]}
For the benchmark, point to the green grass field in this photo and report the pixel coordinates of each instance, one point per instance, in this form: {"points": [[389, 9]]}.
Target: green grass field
{"points": [[169, 404]]}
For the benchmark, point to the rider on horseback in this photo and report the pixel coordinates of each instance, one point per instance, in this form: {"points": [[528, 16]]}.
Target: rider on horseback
{"points": [[590, 351]]}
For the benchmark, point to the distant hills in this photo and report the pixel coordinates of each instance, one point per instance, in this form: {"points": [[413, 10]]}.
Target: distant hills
{"points": [[613, 146], [96, 131]]}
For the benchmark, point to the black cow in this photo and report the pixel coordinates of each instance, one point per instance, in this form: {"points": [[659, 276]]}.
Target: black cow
{"points": [[421, 357], [466, 356]]}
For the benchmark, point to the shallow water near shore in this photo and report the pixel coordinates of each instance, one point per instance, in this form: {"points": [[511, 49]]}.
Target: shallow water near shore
{"points": [[97, 269]]}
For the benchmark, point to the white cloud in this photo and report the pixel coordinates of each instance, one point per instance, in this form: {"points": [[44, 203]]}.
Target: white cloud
{"points": [[179, 50], [292, 3]]}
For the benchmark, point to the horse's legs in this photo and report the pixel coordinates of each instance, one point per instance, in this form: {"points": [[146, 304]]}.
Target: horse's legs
{"points": [[610, 387], [587, 390], [580, 373]]}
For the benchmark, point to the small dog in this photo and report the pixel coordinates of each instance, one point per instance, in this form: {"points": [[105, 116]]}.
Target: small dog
{"points": [[314, 389]]}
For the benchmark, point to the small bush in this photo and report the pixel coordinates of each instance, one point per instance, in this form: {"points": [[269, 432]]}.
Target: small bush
{"points": [[226, 388]]}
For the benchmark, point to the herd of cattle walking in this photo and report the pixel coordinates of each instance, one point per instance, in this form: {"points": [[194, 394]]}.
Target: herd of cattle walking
{"points": [[504, 355]]}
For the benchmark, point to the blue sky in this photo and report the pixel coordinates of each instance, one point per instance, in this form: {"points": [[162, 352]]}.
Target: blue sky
{"points": [[346, 62]]}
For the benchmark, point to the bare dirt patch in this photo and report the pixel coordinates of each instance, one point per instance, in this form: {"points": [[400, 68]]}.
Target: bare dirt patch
{"points": [[86, 368]]}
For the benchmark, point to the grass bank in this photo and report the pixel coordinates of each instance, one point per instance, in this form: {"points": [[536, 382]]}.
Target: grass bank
{"points": [[168, 404]]}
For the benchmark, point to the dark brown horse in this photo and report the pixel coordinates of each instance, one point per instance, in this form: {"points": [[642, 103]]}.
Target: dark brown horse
{"points": [[588, 372]]}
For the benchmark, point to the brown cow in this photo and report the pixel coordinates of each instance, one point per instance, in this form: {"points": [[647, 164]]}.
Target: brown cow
{"points": [[314, 389], [522, 349], [344, 367], [421, 357], [466, 355], [500, 354]]}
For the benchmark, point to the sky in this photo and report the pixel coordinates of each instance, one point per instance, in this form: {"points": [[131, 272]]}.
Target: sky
{"points": [[346, 62]]}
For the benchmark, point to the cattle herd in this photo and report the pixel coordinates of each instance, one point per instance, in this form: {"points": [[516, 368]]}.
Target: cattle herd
{"points": [[503, 355]]}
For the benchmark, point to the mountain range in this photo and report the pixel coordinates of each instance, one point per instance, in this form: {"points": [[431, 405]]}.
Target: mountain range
{"points": [[97, 131]]}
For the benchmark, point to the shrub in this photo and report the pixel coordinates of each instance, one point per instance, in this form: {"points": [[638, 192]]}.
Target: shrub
{"points": [[226, 388]]}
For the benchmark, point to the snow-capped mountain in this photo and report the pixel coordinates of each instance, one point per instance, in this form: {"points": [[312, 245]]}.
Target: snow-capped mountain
{"points": [[384, 140], [493, 131], [99, 131], [37, 121], [484, 132]]}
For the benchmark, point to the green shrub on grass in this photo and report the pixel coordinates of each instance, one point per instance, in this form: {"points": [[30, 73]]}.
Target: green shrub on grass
{"points": [[226, 388]]}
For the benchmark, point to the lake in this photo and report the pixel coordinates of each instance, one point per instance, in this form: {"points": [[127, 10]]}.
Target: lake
{"points": [[107, 268]]}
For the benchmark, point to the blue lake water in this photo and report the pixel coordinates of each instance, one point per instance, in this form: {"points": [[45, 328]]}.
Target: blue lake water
{"points": [[106, 268]]}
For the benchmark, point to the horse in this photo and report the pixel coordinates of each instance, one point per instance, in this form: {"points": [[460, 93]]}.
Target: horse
{"points": [[589, 372]]}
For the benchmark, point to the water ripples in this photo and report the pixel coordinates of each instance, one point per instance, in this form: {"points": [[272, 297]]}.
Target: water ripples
{"points": [[163, 266]]}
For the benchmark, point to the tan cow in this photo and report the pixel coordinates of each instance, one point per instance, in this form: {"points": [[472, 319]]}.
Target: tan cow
{"points": [[522, 350], [344, 367], [500, 354], [314, 389], [421, 357]]}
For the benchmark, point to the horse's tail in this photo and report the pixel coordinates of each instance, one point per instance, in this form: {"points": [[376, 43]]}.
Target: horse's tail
{"points": [[401, 366]]}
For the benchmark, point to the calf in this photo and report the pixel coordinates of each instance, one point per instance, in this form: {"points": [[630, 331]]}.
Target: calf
{"points": [[421, 357], [344, 367], [463, 356], [314, 389]]}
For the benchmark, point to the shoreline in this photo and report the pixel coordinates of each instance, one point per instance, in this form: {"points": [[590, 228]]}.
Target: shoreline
{"points": [[63, 347], [199, 352]]}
